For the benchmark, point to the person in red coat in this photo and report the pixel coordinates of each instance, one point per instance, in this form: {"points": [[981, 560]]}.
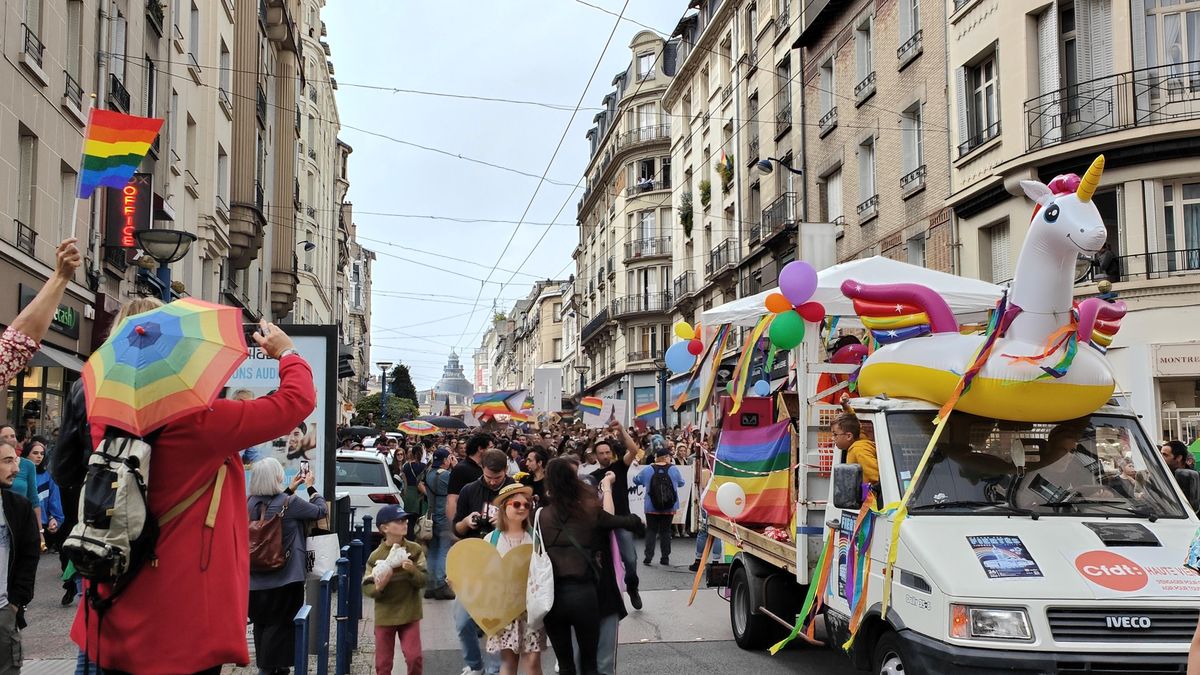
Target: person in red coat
{"points": [[187, 613]]}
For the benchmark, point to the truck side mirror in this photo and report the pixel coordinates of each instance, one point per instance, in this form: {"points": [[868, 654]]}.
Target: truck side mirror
{"points": [[847, 486]]}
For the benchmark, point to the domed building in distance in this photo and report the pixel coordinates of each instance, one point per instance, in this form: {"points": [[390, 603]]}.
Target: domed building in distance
{"points": [[453, 386]]}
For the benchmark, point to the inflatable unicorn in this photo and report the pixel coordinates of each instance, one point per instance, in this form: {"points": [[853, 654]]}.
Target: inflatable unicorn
{"points": [[1042, 358]]}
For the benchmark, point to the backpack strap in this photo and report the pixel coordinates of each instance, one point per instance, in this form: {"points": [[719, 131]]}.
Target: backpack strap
{"points": [[494, 537], [217, 482]]}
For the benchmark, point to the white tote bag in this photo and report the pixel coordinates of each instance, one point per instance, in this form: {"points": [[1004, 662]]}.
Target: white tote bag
{"points": [[323, 552], [539, 589]]}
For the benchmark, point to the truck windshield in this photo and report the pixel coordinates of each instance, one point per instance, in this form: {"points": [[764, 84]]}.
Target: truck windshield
{"points": [[1101, 465]]}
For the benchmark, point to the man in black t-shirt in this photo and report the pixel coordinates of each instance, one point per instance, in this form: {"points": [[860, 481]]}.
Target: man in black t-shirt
{"points": [[535, 462], [466, 471], [606, 455]]}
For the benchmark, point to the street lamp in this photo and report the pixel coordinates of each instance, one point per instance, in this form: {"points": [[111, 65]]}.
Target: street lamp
{"points": [[308, 245], [384, 366], [765, 166], [661, 364], [165, 247], [581, 369]]}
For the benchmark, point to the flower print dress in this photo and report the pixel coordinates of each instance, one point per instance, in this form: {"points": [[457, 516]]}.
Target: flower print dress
{"points": [[517, 635]]}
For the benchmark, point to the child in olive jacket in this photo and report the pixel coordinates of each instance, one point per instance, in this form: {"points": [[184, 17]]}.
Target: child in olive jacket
{"points": [[396, 588]]}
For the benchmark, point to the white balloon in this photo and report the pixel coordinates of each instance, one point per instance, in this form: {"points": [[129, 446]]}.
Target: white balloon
{"points": [[731, 499]]}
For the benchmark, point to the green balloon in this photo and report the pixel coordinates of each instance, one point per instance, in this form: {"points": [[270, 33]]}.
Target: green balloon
{"points": [[787, 330], [729, 387]]}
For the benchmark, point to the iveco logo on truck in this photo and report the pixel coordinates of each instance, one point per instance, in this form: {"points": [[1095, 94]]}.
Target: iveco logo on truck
{"points": [[1127, 621]]}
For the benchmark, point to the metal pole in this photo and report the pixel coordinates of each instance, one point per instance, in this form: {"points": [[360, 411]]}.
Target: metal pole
{"points": [[383, 404], [324, 601], [357, 567], [342, 667], [301, 623], [164, 277]]}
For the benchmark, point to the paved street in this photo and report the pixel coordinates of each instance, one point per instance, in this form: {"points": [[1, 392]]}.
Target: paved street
{"points": [[665, 637]]}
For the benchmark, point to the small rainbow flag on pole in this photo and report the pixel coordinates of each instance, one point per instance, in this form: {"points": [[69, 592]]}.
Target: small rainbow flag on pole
{"points": [[591, 405], [647, 411], [113, 148]]}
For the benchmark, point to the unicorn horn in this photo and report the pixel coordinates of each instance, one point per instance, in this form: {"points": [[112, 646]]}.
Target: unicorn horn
{"points": [[1091, 180]]}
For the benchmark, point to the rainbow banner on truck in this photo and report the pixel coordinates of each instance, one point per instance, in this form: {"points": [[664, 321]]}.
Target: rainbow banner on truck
{"points": [[758, 460]]}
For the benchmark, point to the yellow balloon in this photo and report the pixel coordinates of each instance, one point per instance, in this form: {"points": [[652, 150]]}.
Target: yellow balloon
{"points": [[684, 331]]}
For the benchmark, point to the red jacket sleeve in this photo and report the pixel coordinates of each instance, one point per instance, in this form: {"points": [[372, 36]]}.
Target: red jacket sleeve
{"points": [[247, 423]]}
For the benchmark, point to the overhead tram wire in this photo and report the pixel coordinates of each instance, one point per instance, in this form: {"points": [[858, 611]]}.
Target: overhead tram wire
{"points": [[553, 156]]}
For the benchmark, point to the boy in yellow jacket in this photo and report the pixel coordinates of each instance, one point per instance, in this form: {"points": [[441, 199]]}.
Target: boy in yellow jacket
{"points": [[396, 587], [847, 436]]}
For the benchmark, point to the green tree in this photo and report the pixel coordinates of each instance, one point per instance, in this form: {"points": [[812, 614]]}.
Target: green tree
{"points": [[399, 409], [402, 384]]}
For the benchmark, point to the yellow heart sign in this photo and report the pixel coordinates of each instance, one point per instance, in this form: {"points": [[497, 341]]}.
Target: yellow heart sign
{"points": [[490, 587]]}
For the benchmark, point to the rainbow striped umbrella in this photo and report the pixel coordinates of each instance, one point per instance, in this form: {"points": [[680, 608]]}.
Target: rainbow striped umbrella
{"points": [[418, 428], [163, 364]]}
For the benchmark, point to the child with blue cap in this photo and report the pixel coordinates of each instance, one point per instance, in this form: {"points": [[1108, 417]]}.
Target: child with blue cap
{"points": [[394, 578]]}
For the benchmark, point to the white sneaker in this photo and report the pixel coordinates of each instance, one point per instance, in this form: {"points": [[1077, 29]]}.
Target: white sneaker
{"points": [[467, 671]]}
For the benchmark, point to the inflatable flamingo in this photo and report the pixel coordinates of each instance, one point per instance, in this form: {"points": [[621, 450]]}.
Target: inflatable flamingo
{"points": [[1042, 359]]}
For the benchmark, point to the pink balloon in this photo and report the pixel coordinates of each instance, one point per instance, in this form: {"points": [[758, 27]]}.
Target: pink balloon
{"points": [[812, 311], [798, 281], [695, 347]]}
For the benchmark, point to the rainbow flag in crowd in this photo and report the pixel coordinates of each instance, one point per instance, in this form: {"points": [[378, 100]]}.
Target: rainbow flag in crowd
{"points": [[591, 405], [758, 460], [647, 411], [113, 148], [525, 414], [488, 404]]}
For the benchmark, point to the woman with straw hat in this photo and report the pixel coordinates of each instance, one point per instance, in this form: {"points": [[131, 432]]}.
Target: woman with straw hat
{"points": [[517, 642]]}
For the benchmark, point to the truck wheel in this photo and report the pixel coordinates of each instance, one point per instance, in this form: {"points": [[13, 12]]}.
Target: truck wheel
{"points": [[887, 658], [750, 630]]}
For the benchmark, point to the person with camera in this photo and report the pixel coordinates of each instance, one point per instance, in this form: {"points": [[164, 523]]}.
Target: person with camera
{"points": [[276, 595], [474, 517]]}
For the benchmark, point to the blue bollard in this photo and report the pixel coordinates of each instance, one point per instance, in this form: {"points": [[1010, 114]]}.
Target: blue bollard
{"points": [[366, 529], [342, 667], [358, 564], [324, 602], [301, 621]]}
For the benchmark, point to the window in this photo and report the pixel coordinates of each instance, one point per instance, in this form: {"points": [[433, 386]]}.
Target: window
{"points": [[74, 38], [150, 86], [915, 248], [556, 312], [911, 131], [993, 246], [910, 19], [783, 81], [752, 109], [116, 65], [645, 225], [33, 15], [687, 107], [752, 32], [226, 67], [191, 143], [862, 50], [831, 203], [645, 66], [66, 202], [827, 87], [1172, 35], [664, 172], [1180, 232], [557, 349], [223, 175], [194, 32], [309, 251], [866, 170], [172, 122], [312, 132], [982, 105], [26, 176]]}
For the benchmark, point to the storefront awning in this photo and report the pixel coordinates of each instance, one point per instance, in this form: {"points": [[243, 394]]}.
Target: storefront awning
{"points": [[50, 357]]}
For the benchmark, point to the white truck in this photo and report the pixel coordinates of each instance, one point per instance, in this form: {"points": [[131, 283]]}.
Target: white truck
{"points": [[1029, 547]]}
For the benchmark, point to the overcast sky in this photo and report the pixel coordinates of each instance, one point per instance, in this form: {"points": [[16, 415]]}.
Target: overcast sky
{"points": [[529, 50]]}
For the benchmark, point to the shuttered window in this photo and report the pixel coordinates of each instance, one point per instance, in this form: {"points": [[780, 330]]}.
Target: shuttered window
{"points": [[866, 170], [833, 196], [910, 129], [26, 176], [996, 237]]}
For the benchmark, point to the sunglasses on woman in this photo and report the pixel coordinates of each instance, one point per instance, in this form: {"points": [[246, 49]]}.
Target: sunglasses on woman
{"points": [[519, 504]]}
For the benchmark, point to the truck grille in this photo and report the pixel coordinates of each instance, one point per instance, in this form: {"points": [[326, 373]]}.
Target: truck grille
{"points": [[1122, 624]]}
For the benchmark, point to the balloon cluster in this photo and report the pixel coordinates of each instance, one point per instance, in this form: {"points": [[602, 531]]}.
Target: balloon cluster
{"points": [[681, 356], [791, 306]]}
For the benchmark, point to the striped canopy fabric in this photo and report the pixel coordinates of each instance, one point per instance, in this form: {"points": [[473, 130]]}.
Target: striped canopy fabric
{"points": [[113, 148], [163, 364], [758, 460]]}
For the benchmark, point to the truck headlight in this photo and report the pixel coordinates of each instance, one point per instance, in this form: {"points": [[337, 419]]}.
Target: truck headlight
{"points": [[989, 623]]}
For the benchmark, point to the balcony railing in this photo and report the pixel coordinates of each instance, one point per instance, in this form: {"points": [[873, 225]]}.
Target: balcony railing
{"points": [[913, 180], [643, 356], [752, 149], [647, 248], [868, 207], [828, 122], [311, 211], [592, 327], [722, 258], [727, 92], [865, 89], [154, 13], [1137, 98], [297, 120], [783, 118], [32, 47], [118, 95], [116, 256], [779, 215], [782, 20], [648, 185], [612, 266], [650, 134], [24, 237], [72, 91], [642, 303], [1154, 265], [261, 108], [910, 50], [748, 286], [258, 196], [978, 138], [312, 152], [223, 98], [683, 285]]}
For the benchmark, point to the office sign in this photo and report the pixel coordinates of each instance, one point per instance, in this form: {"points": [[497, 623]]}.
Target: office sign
{"points": [[127, 211]]}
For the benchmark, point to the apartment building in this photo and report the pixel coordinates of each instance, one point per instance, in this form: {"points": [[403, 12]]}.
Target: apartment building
{"points": [[875, 128], [1037, 89], [626, 228], [571, 359]]}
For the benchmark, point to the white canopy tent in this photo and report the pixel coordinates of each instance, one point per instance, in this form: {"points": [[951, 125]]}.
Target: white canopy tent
{"points": [[965, 296]]}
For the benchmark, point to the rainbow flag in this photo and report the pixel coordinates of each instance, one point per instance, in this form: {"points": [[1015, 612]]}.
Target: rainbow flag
{"points": [[892, 322], [758, 460], [113, 148], [591, 405], [487, 404], [525, 414], [647, 411]]}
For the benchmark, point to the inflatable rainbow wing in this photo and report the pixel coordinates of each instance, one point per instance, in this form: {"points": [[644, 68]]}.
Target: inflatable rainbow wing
{"points": [[897, 312], [1098, 321]]}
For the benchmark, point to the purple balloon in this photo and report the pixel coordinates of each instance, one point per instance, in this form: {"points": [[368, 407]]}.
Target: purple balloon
{"points": [[798, 281]]}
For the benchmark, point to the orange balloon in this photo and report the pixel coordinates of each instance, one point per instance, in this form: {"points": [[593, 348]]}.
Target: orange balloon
{"points": [[776, 303]]}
